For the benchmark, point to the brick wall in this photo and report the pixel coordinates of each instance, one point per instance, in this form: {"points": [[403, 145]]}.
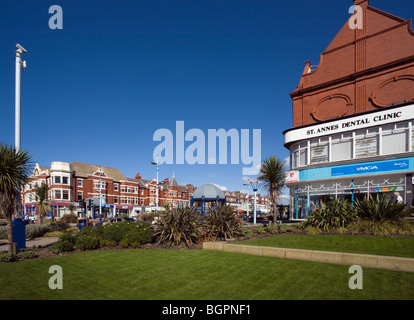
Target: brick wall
{"points": [[360, 70]]}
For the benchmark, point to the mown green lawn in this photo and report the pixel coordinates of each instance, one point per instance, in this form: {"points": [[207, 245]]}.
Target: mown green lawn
{"points": [[388, 246], [194, 274]]}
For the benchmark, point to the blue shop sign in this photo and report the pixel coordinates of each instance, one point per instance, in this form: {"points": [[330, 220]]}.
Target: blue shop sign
{"points": [[358, 169], [372, 167]]}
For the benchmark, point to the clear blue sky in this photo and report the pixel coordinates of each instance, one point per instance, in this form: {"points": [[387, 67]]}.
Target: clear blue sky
{"points": [[97, 90]]}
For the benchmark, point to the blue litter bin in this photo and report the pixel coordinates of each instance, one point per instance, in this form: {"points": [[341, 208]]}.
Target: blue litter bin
{"points": [[82, 222], [19, 233]]}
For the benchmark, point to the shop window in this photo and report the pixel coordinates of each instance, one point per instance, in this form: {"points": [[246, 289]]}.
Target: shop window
{"points": [[366, 145], [303, 154], [394, 140], [294, 156], [319, 152], [341, 148]]}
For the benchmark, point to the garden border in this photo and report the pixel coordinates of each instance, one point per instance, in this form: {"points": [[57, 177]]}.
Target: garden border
{"points": [[363, 260]]}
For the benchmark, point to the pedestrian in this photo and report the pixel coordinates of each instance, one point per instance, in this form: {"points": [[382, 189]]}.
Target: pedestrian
{"points": [[398, 198], [312, 207]]}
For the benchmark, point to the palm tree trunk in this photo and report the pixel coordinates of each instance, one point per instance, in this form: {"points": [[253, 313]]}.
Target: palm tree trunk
{"points": [[10, 234], [274, 214], [274, 206]]}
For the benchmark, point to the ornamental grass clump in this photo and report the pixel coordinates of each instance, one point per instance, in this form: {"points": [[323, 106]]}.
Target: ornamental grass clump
{"points": [[330, 217], [222, 223], [381, 216], [381, 208], [178, 226]]}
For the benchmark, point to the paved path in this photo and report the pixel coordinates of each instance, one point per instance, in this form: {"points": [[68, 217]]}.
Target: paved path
{"points": [[43, 242]]}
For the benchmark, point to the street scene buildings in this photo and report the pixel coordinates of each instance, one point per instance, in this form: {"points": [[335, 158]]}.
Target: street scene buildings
{"points": [[72, 183]]}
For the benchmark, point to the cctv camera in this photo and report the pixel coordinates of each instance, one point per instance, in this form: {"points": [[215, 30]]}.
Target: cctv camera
{"points": [[24, 66], [21, 48]]}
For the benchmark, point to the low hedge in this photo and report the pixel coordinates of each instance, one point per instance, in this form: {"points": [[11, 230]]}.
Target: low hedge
{"points": [[37, 230], [127, 234]]}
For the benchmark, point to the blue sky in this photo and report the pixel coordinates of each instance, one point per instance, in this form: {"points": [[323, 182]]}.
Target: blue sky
{"points": [[97, 90]]}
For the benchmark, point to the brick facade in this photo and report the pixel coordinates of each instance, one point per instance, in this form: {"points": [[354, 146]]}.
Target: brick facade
{"points": [[360, 70], [71, 183]]}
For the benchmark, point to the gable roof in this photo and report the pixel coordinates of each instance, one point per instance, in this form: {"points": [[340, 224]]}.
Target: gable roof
{"points": [[84, 169]]}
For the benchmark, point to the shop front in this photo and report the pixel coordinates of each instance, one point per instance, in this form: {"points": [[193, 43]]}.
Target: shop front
{"points": [[350, 182]]}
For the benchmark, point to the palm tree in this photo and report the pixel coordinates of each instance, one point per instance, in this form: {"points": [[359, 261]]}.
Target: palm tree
{"points": [[273, 178], [14, 172], [42, 208]]}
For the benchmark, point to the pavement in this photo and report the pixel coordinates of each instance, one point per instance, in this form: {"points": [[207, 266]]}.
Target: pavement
{"points": [[37, 242]]}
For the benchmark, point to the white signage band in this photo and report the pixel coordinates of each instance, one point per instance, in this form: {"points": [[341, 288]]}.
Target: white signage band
{"points": [[372, 119]]}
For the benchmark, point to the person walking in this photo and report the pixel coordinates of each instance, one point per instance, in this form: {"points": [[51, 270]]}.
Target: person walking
{"points": [[398, 198], [312, 207]]}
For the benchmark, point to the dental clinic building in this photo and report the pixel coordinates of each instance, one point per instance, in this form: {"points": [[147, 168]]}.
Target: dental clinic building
{"points": [[353, 116]]}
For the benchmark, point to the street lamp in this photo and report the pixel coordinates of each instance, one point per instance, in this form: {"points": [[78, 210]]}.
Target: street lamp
{"points": [[100, 194], [156, 199], [19, 66], [255, 186]]}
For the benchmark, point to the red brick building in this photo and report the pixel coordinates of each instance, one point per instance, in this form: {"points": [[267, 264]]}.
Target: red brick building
{"points": [[353, 115], [74, 182], [70, 183], [361, 70]]}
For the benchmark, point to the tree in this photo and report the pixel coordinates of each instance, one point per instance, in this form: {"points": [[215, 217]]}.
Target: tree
{"points": [[273, 178], [14, 172], [42, 208]]}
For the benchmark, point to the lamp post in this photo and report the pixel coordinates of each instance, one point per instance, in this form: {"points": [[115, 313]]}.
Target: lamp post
{"points": [[156, 195], [19, 66], [255, 186], [100, 194]]}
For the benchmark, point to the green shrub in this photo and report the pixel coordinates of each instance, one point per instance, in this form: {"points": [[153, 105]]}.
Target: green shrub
{"points": [[90, 231], [67, 237], [65, 243], [58, 226], [87, 242], [114, 231], [8, 257], [26, 254], [222, 223], [331, 216], [3, 232], [382, 208], [62, 246], [178, 226], [138, 234], [37, 230], [104, 242], [282, 228], [53, 234], [381, 228], [69, 218]]}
